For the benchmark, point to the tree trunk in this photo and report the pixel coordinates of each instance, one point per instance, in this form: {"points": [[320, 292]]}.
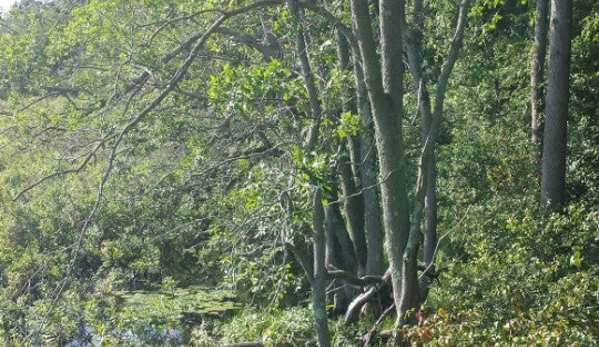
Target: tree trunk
{"points": [[553, 170], [319, 300], [384, 83], [308, 77], [536, 75], [414, 47], [319, 303], [353, 201], [392, 160], [344, 245], [372, 210], [340, 253], [354, 210], [368, 173], [430, 213]]}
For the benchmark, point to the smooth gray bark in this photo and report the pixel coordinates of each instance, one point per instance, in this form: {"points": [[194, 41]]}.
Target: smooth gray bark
{"points": [[308, 76], [553, 170], [343, 244], [413, 43]]}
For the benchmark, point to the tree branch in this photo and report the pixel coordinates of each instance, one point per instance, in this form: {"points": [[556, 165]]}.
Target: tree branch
{"points": [[361, 281], [452, 56], [81, 166]]}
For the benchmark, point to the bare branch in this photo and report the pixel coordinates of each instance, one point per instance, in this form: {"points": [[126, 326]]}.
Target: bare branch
{"points": [[361, 281], [429, 267], [81, 166]]}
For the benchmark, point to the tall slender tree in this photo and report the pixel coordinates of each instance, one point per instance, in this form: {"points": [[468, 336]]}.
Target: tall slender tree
{"points": [[426, 197], [319, 280], [553, 174]]}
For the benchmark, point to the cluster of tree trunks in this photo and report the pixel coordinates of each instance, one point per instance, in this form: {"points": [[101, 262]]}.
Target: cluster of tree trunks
{"points": [[364, 209]]}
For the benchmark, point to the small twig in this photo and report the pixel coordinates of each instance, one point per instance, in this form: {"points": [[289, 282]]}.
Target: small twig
{"points": [[368, 337], [426, 269]]}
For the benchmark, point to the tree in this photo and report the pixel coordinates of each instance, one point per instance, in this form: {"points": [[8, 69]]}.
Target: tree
{"points": [[537, 71], [553, 174], [426, 195]]}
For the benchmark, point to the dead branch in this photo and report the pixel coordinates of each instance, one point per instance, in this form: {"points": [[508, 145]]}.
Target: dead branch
{"points": [[361, 281]]}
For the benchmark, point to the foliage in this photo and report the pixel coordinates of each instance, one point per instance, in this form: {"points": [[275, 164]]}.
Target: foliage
{"points": [[294, 326], [512, 289], [109, 240], [584, 142]]}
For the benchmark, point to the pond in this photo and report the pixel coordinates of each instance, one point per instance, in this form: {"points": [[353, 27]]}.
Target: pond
{"points": [[164, 317]]}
